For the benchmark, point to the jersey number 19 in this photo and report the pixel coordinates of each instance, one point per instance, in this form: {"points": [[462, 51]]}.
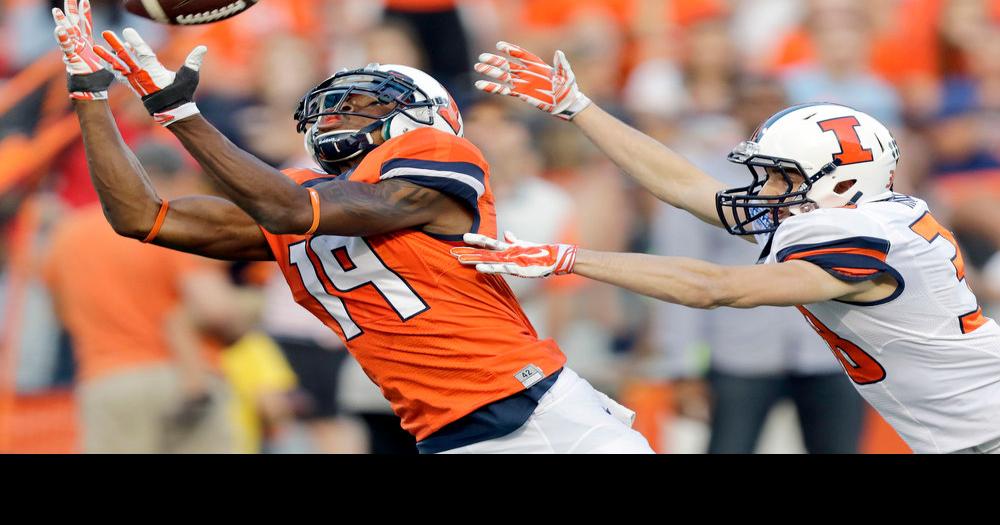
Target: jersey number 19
{"points": [[350, 263]]}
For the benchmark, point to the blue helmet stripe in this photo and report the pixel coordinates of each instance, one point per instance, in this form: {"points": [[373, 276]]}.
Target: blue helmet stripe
{"points": [[774, 118]]}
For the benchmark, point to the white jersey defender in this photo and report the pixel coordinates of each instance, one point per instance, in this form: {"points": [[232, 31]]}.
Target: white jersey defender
{"points": [[925, 357], [922, 354]]}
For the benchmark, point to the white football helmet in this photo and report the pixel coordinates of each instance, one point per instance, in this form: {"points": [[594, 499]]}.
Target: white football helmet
{"points": [[420, 101], [827, 144]]}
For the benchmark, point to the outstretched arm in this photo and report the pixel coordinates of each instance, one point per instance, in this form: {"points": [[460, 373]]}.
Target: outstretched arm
{"points": [[666, 174], [701, 284], [345, 207], [202, 225], [267, 195], [272, 199], [678, 280]]}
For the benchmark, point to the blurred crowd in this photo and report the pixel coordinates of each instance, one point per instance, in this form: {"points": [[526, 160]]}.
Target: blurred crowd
{"points": [[200, 355]]}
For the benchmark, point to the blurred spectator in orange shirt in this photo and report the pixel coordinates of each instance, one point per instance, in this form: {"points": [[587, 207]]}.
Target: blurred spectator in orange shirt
{"points": [[143, 386]]}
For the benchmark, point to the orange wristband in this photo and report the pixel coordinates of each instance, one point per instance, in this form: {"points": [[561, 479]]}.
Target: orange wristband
{"points": [[314, 198], [159, 221]]}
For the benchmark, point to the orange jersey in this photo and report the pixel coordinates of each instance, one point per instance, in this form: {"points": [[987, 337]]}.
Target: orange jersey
{"points": [[439, 339]]}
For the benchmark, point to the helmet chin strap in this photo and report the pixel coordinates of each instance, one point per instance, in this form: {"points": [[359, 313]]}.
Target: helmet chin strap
{"points": [[334, 147]]}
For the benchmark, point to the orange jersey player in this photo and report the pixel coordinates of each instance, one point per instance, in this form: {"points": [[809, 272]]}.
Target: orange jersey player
{"points": [[364, 243], [438, 340]]}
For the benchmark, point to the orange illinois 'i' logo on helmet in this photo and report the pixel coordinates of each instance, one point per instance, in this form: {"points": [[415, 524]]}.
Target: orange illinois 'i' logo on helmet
{"points": [[851, 151]]}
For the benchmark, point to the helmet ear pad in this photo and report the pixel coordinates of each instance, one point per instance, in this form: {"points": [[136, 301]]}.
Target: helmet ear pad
{"points": [[401, 123]]}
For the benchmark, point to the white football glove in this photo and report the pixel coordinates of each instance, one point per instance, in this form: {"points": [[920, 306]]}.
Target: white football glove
{"points": [[88, 79], [167, 95], [523, 75], [516, 257]]}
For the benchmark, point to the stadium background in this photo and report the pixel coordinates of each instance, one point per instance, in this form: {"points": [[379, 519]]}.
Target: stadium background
{"points": [[696, 74]]}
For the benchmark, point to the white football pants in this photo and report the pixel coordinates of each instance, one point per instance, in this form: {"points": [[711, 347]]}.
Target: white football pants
{"points": [[990, 447], [571, 418]]}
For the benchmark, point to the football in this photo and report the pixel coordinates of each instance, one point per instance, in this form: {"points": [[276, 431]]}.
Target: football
{"points": [[187, 12]]}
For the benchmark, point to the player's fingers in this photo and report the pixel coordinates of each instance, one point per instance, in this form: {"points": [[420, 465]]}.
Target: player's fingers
{"points": [[143, 53], [470, 260], [112, 39], [518, 52], [110, 58], [63, 38], [484, 241], [559, 61], [479, 256], [494, 60], [562, 69], [508, 236], [72, 12], [466, 254], [498, 73], [540, 78], [196, 57], [492, 87], [86, 20], [119, 49], [540, 69], [60, 18], [490, 268], [528, 61]]}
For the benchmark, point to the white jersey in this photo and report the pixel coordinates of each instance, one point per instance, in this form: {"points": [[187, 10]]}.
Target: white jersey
{"points": [[925, 357]]}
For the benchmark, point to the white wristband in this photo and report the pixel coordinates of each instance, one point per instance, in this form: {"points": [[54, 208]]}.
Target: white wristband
{"points": [[181, 112], [88, 95], [581, 103]]}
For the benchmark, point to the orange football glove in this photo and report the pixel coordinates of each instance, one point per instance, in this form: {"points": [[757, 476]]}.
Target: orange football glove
{"points": [[523, 75], [88, 78], [516, 257], [167, 95]]}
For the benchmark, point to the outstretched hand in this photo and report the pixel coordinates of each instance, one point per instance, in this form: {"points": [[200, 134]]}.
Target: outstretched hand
{"points": [[515, 257], [88, 78], [167, 95], [520, 73]]}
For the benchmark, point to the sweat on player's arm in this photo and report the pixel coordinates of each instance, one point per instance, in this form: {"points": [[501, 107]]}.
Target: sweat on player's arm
{"points": [[679, 280]]}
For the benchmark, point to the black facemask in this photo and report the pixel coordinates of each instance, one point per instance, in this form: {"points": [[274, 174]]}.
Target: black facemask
{"points": [[752, 213], [329, 99]]}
